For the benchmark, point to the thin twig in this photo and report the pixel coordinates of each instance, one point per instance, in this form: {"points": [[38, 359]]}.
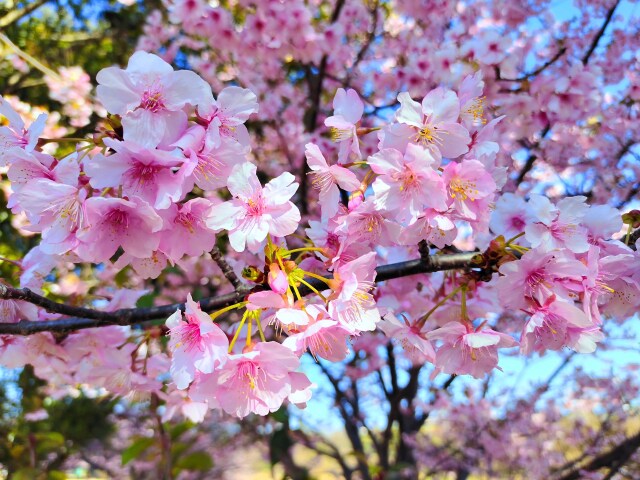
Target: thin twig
{"points": [[227, 269], [16, 14], [600, 33], [534, 73]]}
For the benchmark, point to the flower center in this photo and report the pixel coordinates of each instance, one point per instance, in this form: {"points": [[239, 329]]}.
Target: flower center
{"points": [[208, 167], [476, 110], [255, 208], [117, 219], [429, 134], [321, 180], [408, 179], [144, 173], [535, 278], [248, 373], [189, 335], [340, 134], [463, 189], [187, 220], [152, 101]]}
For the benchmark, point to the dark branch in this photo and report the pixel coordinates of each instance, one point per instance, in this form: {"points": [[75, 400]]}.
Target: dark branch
{"points": [[613, 459], [315, 95], [80, 318], [633, 238], [600, 33], [532, 156], [534, 73], [227, 270]]}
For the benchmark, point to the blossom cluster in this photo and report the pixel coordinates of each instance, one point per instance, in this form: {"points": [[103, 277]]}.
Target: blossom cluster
{"points": [[170, 171]]}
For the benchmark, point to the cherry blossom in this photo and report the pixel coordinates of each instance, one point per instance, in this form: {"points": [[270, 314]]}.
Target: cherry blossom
{"points": [[465, 351], [256, 212], [347, 112], [435, 122], [150, 96]]}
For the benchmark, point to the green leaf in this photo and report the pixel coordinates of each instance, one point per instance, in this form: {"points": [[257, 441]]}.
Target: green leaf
{"points": [[25, 474], [146, 301], [136, 449], [47, 442], [56, 475], [195, 461], [179, 429], [279, 443], [122, 276], [281, 415]]}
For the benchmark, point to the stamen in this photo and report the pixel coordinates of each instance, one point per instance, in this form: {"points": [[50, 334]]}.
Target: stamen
{"points": [[340, 134], [429, 134], [464, 189], [476, 110]]}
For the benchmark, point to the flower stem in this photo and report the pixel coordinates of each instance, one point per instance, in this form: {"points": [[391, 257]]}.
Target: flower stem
{"points": [[626, 239], [249, 325], [314, 290], [260, 328], [237, 334], [424, 318], [318, 277], [216, 314], [513, 239], [303, 249], [463, 303]]}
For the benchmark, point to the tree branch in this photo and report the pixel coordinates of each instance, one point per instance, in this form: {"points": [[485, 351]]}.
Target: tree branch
{"points": [[350, 423], [15, 15], [600, 33], [80, 318], [537, 71], [311, 116], [613, 459], [532, 156], [227, 270]]}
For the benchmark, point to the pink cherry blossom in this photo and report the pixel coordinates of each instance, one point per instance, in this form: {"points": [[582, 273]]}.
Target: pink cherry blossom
{"points": [[538, 275], [327, 179], [288, 312], [153, 175], [436, 122], [407, 185], [226, 116], [550, 325], [150, 97], [256, 381], [347, 112], [433, 227], [323, 336], [558, 226], [465, 351], [351, 301], [114, 222], [196, 344], [466, 183], [185, 230], [510, 216], [56, 208], [213, 165], [15, 310], [411, 336], [255, 211], [15, 135]]}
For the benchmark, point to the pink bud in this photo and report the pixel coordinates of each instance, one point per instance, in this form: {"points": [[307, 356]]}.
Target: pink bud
{"points": [[277, 279]]}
